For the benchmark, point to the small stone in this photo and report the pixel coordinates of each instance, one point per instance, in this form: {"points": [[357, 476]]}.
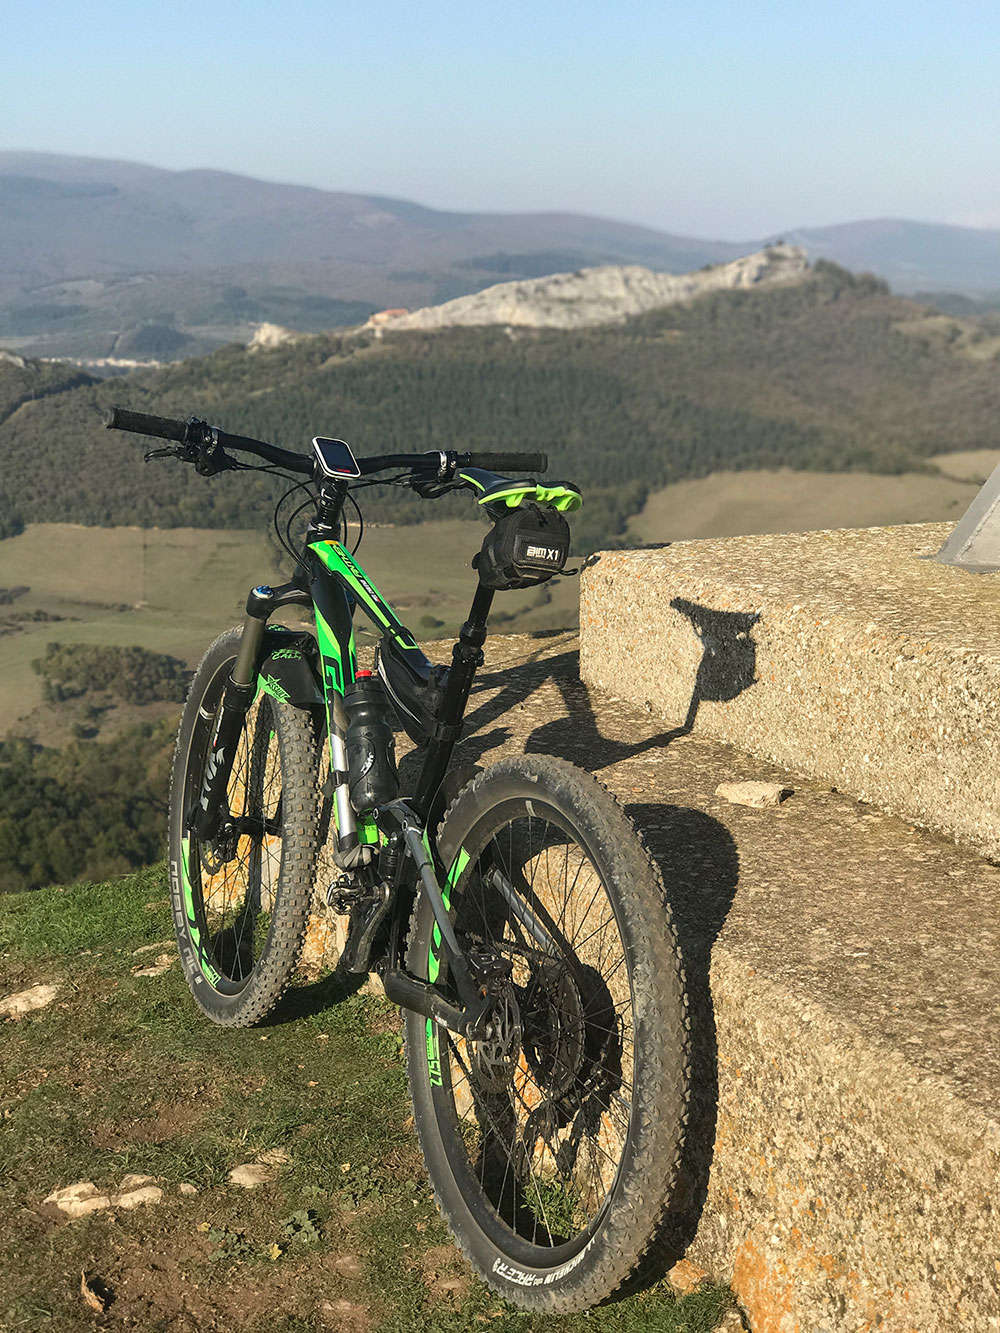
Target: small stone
{"points": [[186, 1188], [252, 1174], [24, 1001], [157, 969], [686, 1277], [135, 1198], [133, 1181], [756, 795], [731, 1323], [79, 1199], [348, 1265], [150, 948]]}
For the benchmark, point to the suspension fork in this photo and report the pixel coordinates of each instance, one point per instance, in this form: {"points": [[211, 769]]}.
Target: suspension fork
{"points": [[211, 809]]}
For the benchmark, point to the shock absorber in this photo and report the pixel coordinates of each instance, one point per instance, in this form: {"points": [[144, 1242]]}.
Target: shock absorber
{"points": [[349, 852]]}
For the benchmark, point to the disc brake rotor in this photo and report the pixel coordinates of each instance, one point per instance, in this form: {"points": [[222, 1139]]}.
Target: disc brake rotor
{"points": [[495, 1057]]}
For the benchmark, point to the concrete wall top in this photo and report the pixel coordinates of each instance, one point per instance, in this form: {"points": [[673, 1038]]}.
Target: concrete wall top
{"points": [[845, 654]]}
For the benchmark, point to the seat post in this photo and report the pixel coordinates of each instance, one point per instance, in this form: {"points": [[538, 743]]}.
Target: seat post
{"points": [[466, 658]]}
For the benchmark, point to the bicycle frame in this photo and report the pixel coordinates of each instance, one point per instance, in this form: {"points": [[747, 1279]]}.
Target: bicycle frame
{"points": [[338, 585], [334, 585]]}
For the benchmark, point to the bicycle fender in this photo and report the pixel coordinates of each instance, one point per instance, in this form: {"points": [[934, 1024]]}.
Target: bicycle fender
{"points": [[287, 669]]}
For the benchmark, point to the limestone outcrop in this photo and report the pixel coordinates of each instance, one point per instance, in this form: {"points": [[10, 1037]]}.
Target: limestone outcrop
{"points": [[606, 295]]}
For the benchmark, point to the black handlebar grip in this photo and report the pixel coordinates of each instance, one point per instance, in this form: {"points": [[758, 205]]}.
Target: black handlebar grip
{"points": [[142, 424], [509, 462]]}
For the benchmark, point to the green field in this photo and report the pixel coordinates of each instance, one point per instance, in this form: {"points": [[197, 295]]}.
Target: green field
{"points": [[728, 504], [173, 590]]}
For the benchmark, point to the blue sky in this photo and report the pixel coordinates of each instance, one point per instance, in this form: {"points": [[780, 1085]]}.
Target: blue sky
{"points": [[712, 118]]}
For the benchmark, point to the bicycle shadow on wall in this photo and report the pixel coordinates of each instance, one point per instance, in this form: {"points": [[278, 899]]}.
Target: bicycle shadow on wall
{"points": [[727, 667], [699, 861]]}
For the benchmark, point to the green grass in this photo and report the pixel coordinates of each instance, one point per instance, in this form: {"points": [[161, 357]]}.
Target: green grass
{"points": [[122, 1074]]}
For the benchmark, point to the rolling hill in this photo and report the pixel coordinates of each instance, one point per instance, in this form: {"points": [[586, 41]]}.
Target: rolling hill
{"points": [[828, 374], [93, 249], [105, 259]]}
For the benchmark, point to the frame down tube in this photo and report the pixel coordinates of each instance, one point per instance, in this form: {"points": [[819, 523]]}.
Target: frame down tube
{"points": [[335, 631], [338, 664]]}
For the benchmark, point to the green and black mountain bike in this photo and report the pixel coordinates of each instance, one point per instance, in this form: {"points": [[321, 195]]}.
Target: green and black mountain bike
{"points": [[518, 921]]}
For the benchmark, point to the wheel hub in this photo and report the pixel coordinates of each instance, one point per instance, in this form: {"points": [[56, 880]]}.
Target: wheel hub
{"points": [[554, 1029]]}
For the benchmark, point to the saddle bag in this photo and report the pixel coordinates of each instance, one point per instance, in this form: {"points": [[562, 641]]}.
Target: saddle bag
{"points": [[523, 548]]}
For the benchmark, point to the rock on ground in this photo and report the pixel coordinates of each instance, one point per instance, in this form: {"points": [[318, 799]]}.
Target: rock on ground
{"points": [[156, 969], [686, 1277], [136, 1190], [756, 795], [24, 1001], [84, 1197], [79, 1199], [261, 1171]]}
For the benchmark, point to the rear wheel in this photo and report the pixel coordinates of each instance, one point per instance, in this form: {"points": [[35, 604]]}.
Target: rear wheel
{"points": [[241, 903], [554, 1145]]}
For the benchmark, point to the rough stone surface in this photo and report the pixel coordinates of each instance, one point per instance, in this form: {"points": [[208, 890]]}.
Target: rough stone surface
{"points": [[756, 795], [844, 654], [79, 1199], [603, 295], [157, 968], [135, 1197], [252, 1174], [844, 971], [261, 1171], [685, 1277], [26, 1001]]}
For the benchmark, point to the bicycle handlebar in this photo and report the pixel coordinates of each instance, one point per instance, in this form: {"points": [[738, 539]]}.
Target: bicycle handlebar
{"points": [[118, 418], [196, 432]]}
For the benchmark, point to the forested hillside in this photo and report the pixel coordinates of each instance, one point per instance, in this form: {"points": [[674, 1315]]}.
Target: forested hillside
{"points": [[833, 373]]}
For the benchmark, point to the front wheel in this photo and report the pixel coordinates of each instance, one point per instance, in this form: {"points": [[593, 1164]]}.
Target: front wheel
{"points": [[553, 1146], [241, 903]]}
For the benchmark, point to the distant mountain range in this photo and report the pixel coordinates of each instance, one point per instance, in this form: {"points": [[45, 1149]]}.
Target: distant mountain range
{"points": [[102, 258]]}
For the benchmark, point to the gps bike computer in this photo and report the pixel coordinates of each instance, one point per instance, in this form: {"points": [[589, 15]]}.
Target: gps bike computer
{"points": [[335, 457]]}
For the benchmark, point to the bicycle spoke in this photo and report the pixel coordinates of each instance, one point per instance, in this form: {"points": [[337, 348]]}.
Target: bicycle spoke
{"points": [[544, 1141]]}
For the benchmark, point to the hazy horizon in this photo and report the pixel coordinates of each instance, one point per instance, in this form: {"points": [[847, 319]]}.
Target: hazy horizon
{"points": [[792, 226], [726, 121]]}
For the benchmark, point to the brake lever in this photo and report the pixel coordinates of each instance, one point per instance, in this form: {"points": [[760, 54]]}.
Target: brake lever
{"points": [[150, 454], [430, 490]]}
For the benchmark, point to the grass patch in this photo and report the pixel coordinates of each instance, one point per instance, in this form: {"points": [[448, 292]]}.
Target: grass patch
{"points": [[122, 1074]]}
